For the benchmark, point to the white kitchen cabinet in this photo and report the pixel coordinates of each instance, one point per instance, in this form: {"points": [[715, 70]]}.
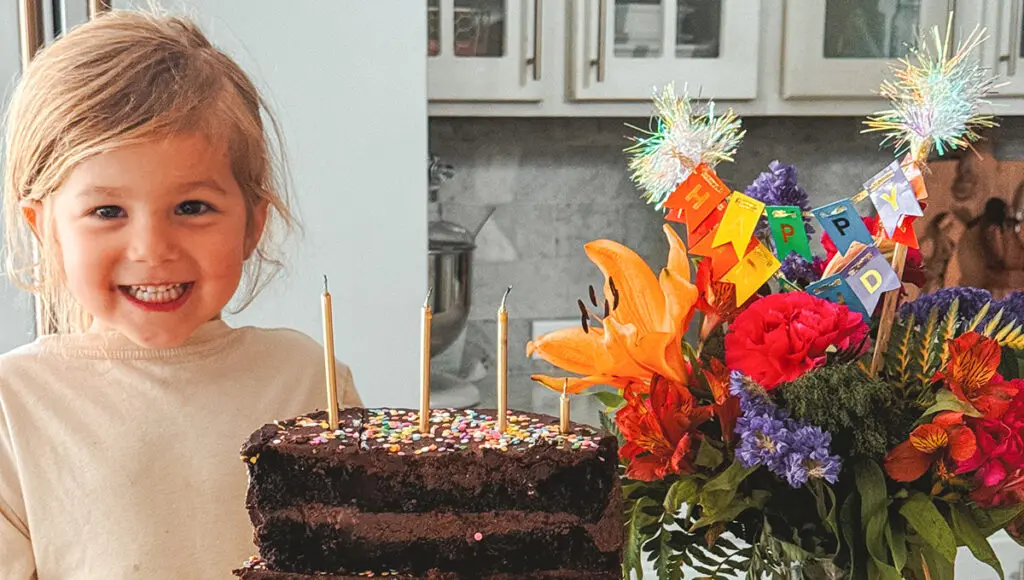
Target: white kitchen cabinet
{"points": [[17, 319], [484, 50], [1003, 52], [621, 49], [845, 48]]}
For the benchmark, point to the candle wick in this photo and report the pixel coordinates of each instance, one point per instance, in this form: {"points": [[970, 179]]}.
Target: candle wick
{"points": [[325, 284], [430, 292], [504, 298]]}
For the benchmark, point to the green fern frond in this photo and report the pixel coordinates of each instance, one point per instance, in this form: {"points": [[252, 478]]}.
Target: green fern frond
{"points": [[992, 324], [900, 350], [1017, 343], [927, 351], [978, 317], [948, 330], [1014, 334], [1001, 335]]}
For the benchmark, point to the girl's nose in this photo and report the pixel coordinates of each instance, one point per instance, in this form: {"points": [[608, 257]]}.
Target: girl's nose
{"points": [[153, 241]]}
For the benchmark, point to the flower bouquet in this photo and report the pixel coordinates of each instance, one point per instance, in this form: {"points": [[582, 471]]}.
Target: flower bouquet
{"points": [[811, 429]]}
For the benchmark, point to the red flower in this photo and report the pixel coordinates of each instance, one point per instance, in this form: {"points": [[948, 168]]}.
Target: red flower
{"points": [[913, 269], [780, 337], [727, 407], [660, 430], [717, 300], [971, 374], [945, 436], [998, 463]]}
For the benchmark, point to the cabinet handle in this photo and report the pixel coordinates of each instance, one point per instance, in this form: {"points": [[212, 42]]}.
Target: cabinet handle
{"points": [[538, 26], [30, 26], [97, 7], [602, 29], [1015, 25]]}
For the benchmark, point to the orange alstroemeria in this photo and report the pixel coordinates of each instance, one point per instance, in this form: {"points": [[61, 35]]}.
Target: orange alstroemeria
{"points": [[945, 435], [717, 300], [641, 335], [727, 406], [971, 374], [661, 430]]}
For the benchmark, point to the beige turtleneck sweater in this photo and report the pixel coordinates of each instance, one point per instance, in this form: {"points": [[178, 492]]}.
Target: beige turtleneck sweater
{"points": [[118, 461]]}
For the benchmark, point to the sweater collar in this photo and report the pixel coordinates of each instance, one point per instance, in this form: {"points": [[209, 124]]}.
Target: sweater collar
{"points": [[114, 345]]}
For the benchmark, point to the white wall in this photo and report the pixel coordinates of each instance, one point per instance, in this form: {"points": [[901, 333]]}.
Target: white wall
{"points": [[347, 80], [17, 319]]}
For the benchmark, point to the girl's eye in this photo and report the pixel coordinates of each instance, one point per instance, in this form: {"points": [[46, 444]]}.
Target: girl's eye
{"points": [[109, 212], [193, 208]]}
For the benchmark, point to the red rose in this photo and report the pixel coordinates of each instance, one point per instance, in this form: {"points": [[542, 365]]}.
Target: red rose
{"points": [[782, 336]]}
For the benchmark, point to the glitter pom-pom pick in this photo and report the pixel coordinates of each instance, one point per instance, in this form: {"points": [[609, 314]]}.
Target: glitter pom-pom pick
{"points": [[681, 139], [935, 102]]}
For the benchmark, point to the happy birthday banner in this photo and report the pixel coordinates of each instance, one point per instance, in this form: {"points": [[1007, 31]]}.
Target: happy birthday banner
{"points": [[720, 226]]}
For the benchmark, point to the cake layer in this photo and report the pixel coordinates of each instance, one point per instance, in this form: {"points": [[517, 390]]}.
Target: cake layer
{"points": [[256, 569], [378, 461], [325, 539]]}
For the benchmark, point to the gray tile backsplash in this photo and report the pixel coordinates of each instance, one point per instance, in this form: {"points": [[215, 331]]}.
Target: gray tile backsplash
{"points": [[559, 183]]}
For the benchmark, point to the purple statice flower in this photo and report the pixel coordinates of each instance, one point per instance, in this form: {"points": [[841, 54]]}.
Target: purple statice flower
{"points": [[972, 300], [809, 458], [789, 448], [764, 440], [798, 270], [1012, 307], [778, 186]]}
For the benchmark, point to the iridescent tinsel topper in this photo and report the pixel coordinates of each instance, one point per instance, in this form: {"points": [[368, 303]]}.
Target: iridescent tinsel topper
{"points": [[936, 101], [681, 139]]}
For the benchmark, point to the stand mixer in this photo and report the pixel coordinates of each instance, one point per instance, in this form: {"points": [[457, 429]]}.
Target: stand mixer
{"points": [[450, 274]]}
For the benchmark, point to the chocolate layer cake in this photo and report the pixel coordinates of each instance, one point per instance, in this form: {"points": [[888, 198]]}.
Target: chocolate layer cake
{"points": [[464, 501]]}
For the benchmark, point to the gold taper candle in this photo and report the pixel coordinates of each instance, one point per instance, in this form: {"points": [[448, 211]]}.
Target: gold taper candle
{"points": [[427, 314], [503, 363], [332, 381], [563, 411]]}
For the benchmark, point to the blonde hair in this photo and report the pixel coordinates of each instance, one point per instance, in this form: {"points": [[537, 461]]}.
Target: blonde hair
{"points": [[123, 78]]}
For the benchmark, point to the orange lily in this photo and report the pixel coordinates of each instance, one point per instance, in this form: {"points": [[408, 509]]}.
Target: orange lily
{"points": [[971, 374], [643, 333], [930, 443]]}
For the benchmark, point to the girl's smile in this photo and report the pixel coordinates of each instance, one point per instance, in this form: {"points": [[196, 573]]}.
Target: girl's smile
{"points": [[157, 297]]}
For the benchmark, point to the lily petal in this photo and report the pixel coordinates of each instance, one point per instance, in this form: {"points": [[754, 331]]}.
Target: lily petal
{"points": [[680, 294], [640, 300], [657, 352], [579, 384], [962, 443]]}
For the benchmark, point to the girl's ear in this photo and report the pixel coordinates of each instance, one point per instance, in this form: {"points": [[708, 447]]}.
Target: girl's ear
{"points": [[257, 223], [32, 209]]}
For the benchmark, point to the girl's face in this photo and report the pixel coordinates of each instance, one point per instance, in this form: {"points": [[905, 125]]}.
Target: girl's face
{"points": [[152, 237]]}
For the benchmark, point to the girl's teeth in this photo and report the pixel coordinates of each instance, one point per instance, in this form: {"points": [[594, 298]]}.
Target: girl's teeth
{"points": [[157, 294]]}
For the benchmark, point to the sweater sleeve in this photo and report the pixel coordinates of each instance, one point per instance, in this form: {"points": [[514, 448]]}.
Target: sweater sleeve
{"points": [[15, 544], [349, 396]]}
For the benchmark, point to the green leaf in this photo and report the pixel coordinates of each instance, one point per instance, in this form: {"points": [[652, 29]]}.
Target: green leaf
{"points": [[611, 401], [939, 567], [966, 531], [854, 541], [685, 490], [874, 509], [928, 523], [667, 562], [895, 536], [757, 499], [708, 455], [992, 520], [720, 490], [631, 550], [609, 425], [945, 400]]}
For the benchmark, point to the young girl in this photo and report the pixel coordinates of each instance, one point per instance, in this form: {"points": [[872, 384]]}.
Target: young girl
{"points": [[137, 164]]}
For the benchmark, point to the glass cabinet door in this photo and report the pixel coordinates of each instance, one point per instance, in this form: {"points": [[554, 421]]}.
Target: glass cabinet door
{"points": [[623, 48], [483, 50], [1004, 51], [844, 48]]}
